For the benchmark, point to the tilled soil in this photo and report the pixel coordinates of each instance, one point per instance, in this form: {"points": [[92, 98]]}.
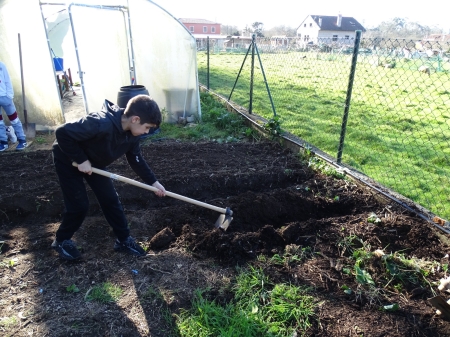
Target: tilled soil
{"points": [[279, 206]]}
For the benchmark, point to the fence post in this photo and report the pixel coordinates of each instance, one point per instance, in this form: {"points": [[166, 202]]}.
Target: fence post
{"points": [[349, 95], [207, 62], [252, 72]]}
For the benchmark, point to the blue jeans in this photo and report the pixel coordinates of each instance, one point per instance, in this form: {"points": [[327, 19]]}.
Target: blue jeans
{"points": [[8, 105], [76, 201]]}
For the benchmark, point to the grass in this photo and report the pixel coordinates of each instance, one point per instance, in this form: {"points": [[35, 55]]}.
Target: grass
{"points": [[9, 322], [217, 124], [258, 308], [104, 293], [397, 131]]}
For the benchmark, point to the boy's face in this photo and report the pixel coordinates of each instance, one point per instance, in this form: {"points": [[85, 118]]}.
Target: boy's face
{"points": [[138, 129]]}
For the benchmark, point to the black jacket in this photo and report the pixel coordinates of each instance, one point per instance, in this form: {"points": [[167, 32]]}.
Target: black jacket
{"points": [[100, 138]]}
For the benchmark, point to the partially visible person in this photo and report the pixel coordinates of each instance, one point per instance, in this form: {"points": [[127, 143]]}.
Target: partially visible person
{"points": [[15, 131]]}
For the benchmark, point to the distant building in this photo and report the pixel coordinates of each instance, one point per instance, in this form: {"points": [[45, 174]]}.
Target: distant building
{"points": [[202, 29], [328, 28], [201, 26], [438, 37]]}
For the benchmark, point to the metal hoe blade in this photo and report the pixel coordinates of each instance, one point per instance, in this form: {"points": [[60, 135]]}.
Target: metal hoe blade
{"points": [[224, 220]]}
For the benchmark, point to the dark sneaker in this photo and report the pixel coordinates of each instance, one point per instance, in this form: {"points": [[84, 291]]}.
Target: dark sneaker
{"points": [[129, 246], [22, 145], [67, 250], [3, 146]]}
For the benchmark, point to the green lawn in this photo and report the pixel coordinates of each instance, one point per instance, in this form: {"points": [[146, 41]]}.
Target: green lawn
{"points": [[398, 129]]}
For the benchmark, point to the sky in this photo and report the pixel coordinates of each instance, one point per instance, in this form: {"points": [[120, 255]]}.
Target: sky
{"points": [[292, 12]]}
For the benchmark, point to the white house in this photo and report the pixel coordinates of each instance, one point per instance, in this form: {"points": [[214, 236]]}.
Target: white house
{"points": [[321, 28]]}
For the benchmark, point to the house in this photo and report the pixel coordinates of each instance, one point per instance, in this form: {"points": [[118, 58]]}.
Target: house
{"points": [[238, 42], [328, 29], [202, 29], [438, 37]]}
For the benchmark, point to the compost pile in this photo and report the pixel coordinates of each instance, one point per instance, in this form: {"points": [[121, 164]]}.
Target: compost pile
{"points": [[280, 205]]}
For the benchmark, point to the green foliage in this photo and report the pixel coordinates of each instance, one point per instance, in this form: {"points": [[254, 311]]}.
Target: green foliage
{"points": [[217, 124], [72, 289], [319, 165], [363, 276], [259, 308], [8, 322], [273, 127], [104, 293]]}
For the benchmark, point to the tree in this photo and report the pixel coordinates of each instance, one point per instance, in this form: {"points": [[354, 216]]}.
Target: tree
{"points": [[401, 28], [281, 31], [257, 28], [229, 30]]}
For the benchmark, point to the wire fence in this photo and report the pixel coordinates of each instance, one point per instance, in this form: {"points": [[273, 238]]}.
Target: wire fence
{"points": [[380, 106]]}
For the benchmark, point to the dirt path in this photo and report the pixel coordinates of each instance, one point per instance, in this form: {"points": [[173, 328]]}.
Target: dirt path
{"points": [[278, 204]]}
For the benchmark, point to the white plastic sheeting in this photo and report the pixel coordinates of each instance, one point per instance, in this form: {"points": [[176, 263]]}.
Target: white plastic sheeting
{"points": [[108, 43]]}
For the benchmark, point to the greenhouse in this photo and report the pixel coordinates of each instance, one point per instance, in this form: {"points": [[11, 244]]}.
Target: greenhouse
{"points": [[91, 49]]}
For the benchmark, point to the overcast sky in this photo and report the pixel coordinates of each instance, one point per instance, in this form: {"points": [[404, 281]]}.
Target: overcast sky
{"points": [[292, 12]]}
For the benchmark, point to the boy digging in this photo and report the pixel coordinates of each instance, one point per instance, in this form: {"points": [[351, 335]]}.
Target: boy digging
{"points": [[97, 140]]}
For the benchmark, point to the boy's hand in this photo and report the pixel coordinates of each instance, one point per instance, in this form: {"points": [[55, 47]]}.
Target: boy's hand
{"points": [[85, 167], [161, 190]]}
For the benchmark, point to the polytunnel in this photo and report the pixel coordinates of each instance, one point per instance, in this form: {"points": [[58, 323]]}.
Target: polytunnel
{"points": [[105, 45]]}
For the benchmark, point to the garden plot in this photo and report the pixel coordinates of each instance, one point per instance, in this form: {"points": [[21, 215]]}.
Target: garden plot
{"points": [[302, 228]]}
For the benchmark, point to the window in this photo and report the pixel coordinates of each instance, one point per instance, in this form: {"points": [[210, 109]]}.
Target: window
{"points": [[347, 37], [205, 29], [335, 37], [310, 24], [304, 25], [191, 29], [213, 29]]}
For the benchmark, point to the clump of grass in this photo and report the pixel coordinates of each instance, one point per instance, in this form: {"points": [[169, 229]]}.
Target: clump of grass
{"points": [[259, 308], [8, 322], [104, 293]]}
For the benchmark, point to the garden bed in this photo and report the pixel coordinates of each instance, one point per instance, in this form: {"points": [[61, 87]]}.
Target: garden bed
{"points": [[281, 209]]}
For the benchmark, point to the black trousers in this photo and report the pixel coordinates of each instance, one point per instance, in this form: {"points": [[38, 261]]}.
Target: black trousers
{"points": [[76, 201]]}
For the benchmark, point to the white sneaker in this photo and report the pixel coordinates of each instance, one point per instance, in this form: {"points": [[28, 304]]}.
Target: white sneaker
{"points": [[11, 134]]}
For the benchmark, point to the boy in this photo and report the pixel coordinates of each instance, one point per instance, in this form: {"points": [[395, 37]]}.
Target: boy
{"points": [[15, 131], [96, 140]]}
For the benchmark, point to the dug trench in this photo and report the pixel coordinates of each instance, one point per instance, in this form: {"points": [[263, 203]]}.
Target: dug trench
{"points": [[279, 205]]}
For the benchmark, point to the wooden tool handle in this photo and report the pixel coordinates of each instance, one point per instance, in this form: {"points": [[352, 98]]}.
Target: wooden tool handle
{"points": [[154, 189]]}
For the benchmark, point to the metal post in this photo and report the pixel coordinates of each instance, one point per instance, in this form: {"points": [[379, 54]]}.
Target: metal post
{"points": [[240, 70], [207, 62], [349, 95], [130, 47], [252, 70], [80, 72], [265, 81]]}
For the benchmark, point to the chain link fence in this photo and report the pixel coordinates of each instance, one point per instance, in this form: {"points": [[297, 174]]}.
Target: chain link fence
{"points": [[380, 106]]}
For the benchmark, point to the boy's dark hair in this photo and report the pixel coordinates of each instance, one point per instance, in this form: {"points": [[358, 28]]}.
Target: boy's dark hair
{"points": [[145, 108]]}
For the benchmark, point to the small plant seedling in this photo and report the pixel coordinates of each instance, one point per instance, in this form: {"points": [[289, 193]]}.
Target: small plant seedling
{"points": [[391, 307], [273, 126], [346, 289], [72, 289], [373, 218]]}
